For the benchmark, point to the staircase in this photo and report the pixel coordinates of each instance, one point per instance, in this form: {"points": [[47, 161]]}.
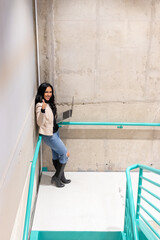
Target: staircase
{"points": [[96, 206]]}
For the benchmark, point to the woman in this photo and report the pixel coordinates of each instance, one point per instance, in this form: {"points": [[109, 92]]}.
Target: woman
{"points": [[46, 114]]}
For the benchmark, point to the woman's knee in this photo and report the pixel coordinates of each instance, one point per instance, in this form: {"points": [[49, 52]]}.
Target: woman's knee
{"points": [[64, 158], [67, 154]]}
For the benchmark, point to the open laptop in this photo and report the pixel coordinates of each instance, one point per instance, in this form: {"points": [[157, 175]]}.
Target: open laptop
{"points": [[67, 114]]}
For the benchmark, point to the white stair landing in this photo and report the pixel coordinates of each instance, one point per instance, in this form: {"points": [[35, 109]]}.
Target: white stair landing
{"points": [[93, 201]]}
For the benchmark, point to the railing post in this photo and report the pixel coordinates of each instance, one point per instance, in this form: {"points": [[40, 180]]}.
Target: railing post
{"points": [[131, 207], [126, 209], [139, 192]]}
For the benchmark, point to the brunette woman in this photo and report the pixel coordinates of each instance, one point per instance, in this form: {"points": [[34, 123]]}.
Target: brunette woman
{"points": [[46, 114]]}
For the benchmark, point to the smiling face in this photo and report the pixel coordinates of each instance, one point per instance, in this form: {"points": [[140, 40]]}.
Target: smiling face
{"points": [[48, 93]]}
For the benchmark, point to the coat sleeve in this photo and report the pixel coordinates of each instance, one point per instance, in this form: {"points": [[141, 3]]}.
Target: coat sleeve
{"points": [[39, 115]]}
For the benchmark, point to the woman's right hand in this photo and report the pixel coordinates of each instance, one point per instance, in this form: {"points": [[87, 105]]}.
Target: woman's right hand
{"points": [[43, 104]]}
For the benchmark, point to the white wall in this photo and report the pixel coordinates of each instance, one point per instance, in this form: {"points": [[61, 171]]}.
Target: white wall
{"points": [[18, 82]]}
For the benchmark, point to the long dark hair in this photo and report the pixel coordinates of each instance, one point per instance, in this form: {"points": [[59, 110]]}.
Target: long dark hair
{"points": [[40, 96]]}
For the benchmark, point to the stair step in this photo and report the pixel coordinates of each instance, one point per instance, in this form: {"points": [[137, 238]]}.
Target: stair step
{"points": [[75, 235]]}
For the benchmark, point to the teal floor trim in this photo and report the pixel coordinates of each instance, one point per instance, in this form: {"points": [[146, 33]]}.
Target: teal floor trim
{"points": [[75, 235], [45, 169]]}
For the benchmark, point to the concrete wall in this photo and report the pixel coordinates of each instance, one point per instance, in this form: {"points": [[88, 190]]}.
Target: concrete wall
{"points": [[106, 54], [18, 83]]}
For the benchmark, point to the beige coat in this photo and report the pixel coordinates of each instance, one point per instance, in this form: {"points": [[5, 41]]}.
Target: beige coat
{"points": [[44, 120]]}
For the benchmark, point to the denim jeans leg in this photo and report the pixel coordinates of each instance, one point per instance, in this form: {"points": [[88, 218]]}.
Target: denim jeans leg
{"points": [[55, 155], [56, 145]]}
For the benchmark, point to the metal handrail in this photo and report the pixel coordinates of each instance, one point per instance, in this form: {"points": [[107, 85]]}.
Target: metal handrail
{"points": [[129, 195], [30, 191], [140, 217], [118, 124]]}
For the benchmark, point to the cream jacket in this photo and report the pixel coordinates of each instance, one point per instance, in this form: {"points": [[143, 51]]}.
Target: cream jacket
{"points": [[45, 120]]}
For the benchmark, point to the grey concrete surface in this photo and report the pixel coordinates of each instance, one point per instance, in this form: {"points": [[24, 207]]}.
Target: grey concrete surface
{"points": [[106, 54]]}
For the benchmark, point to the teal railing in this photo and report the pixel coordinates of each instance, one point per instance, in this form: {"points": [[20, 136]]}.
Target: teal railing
{"points": [[30, 191], [118, 124], [140, 223]]}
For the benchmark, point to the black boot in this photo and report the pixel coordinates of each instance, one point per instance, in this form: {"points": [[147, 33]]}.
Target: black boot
{"points": [[63, 179], [55, 163], [57, 177]]}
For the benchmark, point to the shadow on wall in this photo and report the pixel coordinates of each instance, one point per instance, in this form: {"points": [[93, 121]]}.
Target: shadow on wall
{"points": [[109, 134]]}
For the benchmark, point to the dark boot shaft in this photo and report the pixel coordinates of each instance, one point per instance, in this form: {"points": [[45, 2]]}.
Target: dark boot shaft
{"points": [[60, 169], [55, 163]]}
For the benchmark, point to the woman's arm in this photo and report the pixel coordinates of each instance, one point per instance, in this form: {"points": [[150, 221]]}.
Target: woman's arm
{"points": [[40, 114]]}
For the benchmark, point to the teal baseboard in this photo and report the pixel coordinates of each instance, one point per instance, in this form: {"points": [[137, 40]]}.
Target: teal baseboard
{"points": [[44, 169]]}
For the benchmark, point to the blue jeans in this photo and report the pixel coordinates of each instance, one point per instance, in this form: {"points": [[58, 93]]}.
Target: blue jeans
{"points": [[58, 148]]}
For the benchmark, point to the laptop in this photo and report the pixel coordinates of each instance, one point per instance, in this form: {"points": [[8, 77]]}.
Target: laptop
{"points": [[67, 114]]}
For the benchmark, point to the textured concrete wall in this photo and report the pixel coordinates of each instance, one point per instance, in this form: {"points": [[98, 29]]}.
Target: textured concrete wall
{"points": [[106, 54], [45, 34], [18, 83]]}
